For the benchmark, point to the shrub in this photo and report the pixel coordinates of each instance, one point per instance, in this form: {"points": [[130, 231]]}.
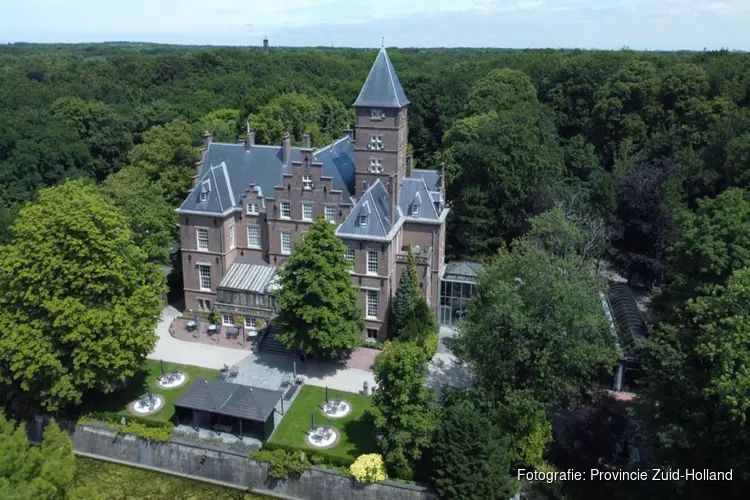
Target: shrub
{"points": [[431, 345], [141, 427], [282, 463], [369, 468], [320, 458]]}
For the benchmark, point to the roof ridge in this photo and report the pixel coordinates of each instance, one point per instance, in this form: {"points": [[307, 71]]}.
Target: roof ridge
{"points": [[216, 186], [229, 183], [382, 226], [391, 70], [432, 205]]}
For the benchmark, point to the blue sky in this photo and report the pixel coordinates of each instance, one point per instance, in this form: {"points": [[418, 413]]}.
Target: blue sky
{"points": [[604, 24]]}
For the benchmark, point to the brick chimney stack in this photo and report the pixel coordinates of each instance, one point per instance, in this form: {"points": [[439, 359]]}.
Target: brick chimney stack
{"points": [[265, 46], [409, 164], [207, 138], [249, 136], [306, 141], [286, 147], [392, 187]]}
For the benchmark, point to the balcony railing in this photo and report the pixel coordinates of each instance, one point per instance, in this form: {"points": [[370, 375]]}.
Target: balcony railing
{"points": [[423, 258]]}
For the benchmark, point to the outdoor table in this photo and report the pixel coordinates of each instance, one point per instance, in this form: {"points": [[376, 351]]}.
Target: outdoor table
{"points": [[191, 325], [231, 332], [252, 334], [211, 328]]}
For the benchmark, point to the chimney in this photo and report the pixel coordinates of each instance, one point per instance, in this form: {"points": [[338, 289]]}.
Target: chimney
{"points": [[207, 137], [392, 187], [349, 133], [442, 179], [286, 147], [265, 45], [409, 164], [249, 136], [306, 141]]}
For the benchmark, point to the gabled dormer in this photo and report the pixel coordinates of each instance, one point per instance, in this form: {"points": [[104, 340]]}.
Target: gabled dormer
{"points": [[204, 191]]}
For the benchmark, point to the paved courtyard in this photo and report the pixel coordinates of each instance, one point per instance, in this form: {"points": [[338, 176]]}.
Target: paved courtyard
{"points": [[275, 372]]}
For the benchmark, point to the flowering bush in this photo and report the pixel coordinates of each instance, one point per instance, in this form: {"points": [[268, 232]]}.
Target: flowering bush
{"points": [[369, 468]]}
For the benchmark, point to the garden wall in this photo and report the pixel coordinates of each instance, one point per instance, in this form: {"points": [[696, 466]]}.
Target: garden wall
{"points": [[225, 466]]}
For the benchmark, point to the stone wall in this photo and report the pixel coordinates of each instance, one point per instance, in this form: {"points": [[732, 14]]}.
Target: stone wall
{"points": [[223, 466]]}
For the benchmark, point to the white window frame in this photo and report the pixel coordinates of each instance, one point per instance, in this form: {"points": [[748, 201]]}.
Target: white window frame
{"points": [[415, 209], [198, 232], [227, 319], [250, 242], [281, 237], [251, 323], [377, 114], [372, 305], [204, 304], [307, 182], [362, 220], [330, 213], [305, 207], [368, 335], [252, 209], [201, 277], [373, 263], [204, 197], [376, 142], [376, 166], [351, 256], [231, 237], [285, 207]]}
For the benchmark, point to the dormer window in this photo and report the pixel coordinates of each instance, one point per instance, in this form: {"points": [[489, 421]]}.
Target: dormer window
{"points": [[205, 189], [377, 114], [362, 220], [307, 182], [376, 142], [415, 203], [376, 166]]}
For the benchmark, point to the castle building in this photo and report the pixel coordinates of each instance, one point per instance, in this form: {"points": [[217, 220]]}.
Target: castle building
{"points": [[252, 203]]}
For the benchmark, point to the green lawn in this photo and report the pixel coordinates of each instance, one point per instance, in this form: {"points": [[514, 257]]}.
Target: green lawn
{"points": [[357, 436], [120, 482], [118, 401]]}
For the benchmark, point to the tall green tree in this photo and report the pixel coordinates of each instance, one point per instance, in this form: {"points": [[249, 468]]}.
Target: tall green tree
{"points": [[78, 300], [30, 472], [501, 90], [470, 457], [166, 153], [536, 322], [222, 124], [403, 406], [695, 402], [151, 218], [406, 292], [712, 242], [317, 304]]}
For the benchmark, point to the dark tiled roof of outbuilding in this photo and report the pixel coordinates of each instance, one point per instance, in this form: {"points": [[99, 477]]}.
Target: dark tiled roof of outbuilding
{"points": [[229, 169], [232, 400], [382, 88]]}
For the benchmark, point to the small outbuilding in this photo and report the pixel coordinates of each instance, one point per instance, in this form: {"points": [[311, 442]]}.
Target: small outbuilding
{"points": [[233, 408]]}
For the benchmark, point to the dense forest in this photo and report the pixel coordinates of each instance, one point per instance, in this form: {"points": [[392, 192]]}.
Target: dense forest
{"points": [[647, 154]]}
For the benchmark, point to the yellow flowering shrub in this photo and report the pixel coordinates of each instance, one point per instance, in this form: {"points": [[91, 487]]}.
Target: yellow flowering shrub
{"points": [[369, 468]]}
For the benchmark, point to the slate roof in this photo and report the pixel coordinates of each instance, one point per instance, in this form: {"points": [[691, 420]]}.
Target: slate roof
{"points": [[382, 88], [229, 169], [415, 192], [430, 177], [375, 204], [232, 400], [249, 275]]}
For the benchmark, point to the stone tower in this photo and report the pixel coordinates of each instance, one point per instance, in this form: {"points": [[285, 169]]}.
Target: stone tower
{"points": [[265, 45], [381, 129]]}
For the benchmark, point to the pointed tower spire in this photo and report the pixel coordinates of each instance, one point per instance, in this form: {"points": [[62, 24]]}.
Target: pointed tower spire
{"points": [[382, 88]]}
